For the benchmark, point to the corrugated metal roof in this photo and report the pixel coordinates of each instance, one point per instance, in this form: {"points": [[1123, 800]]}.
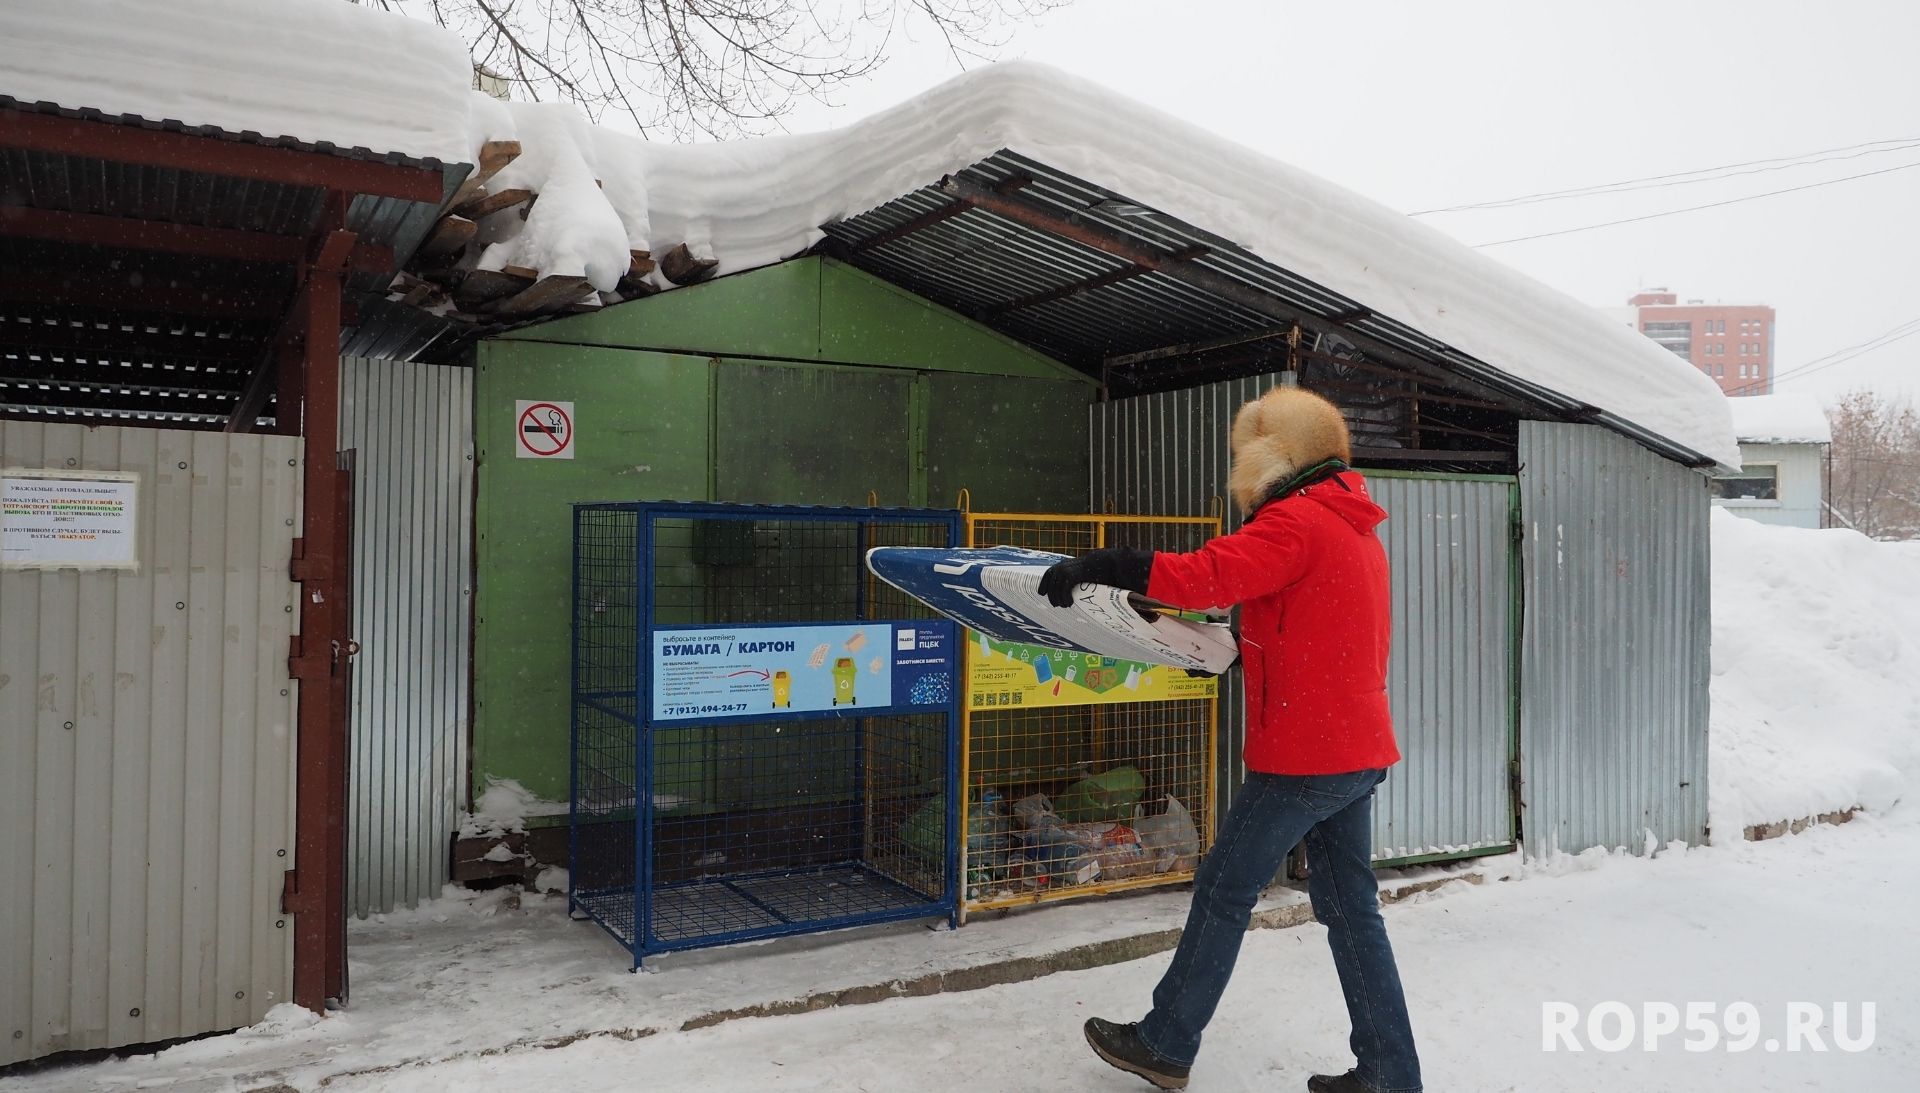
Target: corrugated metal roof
{"points": [[143, 383], [79, 184], [976, 262]]}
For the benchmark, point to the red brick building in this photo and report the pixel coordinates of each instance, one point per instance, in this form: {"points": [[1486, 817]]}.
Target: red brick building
{"points": [[1731, 343]]}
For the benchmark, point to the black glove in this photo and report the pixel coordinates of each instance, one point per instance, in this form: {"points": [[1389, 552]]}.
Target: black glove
{"points": [[1121, 567]]}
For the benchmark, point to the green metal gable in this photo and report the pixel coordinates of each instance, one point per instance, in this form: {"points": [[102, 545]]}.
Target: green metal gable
{"points": [[642, 430], [812, 309], [684, 426]]}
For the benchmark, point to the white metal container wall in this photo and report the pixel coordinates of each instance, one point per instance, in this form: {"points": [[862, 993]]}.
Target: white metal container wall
{"points": [[146, 792], [1450, 548], [1614, 679], [1801, 485], [410, 427], [1168, 454]]}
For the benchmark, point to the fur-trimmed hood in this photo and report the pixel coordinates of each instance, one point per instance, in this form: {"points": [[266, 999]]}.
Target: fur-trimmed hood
{"points": [[1278, 435]]}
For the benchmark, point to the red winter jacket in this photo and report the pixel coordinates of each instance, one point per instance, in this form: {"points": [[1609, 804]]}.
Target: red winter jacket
{"points": [[1312, 578]]}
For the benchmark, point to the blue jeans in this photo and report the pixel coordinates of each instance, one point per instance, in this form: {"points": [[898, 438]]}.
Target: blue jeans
{"points": [[1334, 813]]}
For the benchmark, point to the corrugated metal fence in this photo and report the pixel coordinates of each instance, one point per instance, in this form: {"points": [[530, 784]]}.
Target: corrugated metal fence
{"points": [[1449, 547], [1614, 683], [1614, 653], [1166, 455], [146, 728], [411, 429]]}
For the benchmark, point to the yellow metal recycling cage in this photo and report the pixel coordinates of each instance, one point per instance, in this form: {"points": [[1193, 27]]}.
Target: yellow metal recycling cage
{"points": [[1084, 775]]}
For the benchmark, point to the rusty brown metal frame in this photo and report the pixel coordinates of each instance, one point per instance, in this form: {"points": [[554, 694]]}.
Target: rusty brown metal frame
{"points": [[319, 659], [56, 135], [306, 349], [1111, 277], [91, 229], [908, 227]]}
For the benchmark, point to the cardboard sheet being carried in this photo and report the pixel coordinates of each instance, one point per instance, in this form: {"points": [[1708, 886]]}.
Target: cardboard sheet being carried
{"points": [[996, 591]]}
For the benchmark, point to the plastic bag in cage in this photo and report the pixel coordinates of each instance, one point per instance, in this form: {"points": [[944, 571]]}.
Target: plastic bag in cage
{"points": [[1171, 837]]}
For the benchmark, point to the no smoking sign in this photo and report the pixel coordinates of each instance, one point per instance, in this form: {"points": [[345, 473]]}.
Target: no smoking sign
{"points": [[543, 430]]}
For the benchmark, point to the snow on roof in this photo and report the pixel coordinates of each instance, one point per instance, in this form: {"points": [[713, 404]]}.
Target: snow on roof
{"points": [[318, 71], [1780, 419], [750, 203], [327, 71]]}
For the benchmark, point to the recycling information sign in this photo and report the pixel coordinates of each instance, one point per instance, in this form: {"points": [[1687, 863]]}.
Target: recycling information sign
{"points": [[1003, 673], [755, 672]]}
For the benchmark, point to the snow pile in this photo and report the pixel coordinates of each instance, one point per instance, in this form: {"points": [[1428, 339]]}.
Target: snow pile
{"points": [[1816, 672], [572, 228], [323, 70], [315, 70], [1780, 419], [754, 202], [284, 1018], [503, 809]]}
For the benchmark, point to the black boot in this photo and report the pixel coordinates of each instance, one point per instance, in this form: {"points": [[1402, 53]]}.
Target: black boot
{"points": [[1120, 1046], [1338, 1083]]}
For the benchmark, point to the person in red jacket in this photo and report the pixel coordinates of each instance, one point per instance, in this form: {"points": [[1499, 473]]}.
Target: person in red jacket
{"points": [[1310, 575]]}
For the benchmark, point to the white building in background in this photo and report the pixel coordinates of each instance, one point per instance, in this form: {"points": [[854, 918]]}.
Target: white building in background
{"points": [[1783, 450]]}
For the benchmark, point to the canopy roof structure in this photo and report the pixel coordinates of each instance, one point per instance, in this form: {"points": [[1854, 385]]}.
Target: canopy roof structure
{"points": [[1100, 231], [166, 171], [1135, 246]]}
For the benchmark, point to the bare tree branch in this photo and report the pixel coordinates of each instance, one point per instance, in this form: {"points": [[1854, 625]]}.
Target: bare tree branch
{"points": [[680, 68], [1876, 464]]}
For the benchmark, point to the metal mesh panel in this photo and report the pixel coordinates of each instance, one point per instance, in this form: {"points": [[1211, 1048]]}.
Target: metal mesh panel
{"points": [[691, 833], [1073, 800], [605, 738]]}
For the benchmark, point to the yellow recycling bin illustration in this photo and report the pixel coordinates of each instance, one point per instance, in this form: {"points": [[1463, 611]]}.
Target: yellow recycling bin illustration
{"points": [[782, 690], [844, 673]]}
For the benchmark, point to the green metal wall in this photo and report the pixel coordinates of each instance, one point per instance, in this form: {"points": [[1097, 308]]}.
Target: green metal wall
{"points": [[641, 430], [807, 382]]}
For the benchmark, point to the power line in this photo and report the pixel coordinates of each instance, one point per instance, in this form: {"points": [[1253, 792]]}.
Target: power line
{"points": [[1900, 329], [1810, 371], [1683, 178], [1839, 356], [1697, 208], [1804, 365]]}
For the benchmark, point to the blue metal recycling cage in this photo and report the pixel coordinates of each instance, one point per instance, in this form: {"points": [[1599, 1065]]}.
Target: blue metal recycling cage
{"points": [[765, 737]]}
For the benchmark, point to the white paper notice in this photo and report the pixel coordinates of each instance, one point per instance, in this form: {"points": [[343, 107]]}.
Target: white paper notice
{"points": [[69, 520]]}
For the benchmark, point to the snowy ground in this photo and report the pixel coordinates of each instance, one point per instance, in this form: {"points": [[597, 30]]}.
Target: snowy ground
{"points": [[469, 995], [1818, 918], [1816, 696], [1816, 672]]}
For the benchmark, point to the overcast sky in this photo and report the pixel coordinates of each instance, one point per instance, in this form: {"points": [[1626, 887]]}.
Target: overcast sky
{"points": [[1422, 105]]}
